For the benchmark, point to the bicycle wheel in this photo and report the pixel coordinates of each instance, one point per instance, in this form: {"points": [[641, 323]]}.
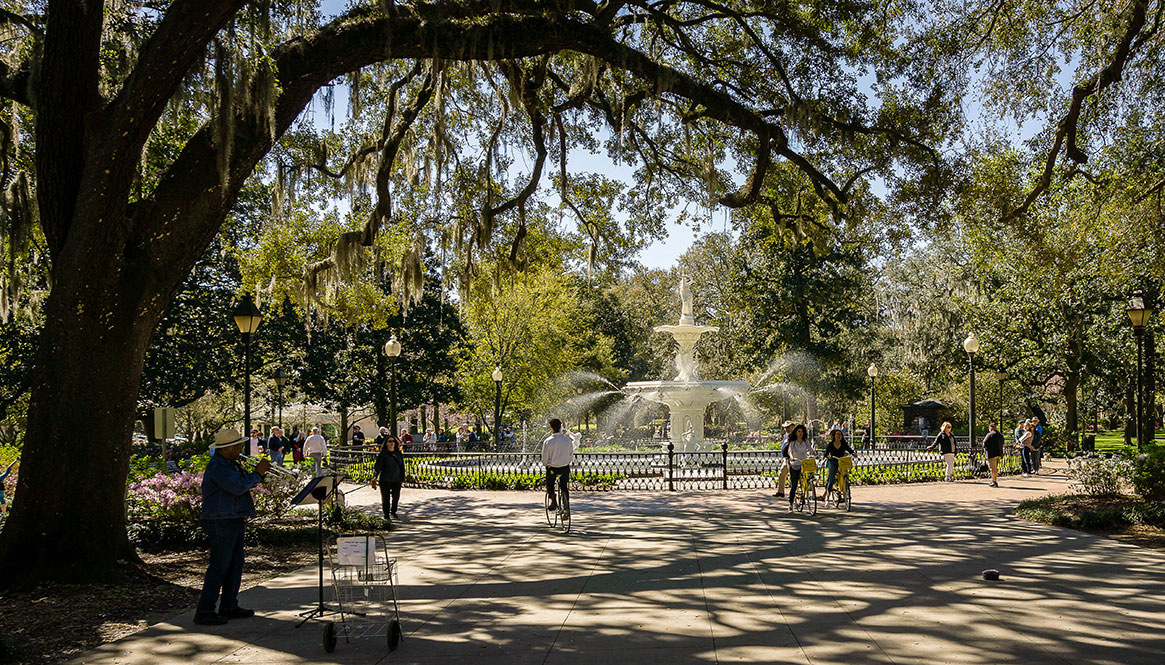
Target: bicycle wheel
{"points": [[799, 502], [811, 498], [846, 500], [564, 512], [551, 515]]}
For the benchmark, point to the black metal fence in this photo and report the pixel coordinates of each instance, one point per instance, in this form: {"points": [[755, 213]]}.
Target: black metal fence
{"points": [[665, 469]]}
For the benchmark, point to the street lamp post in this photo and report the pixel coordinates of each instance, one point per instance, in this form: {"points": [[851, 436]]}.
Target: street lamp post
{"points": [[280, 381], [496, 375], [1002, 376], [392, 350], [247, 318], [971, 346], [1139, 315], [872, 371]]}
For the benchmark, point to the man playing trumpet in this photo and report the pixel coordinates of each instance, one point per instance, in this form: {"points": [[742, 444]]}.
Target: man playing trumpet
{"points": [[226, 503]]}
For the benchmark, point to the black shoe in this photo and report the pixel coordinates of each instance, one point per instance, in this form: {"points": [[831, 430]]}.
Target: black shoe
{"points": [[394, 515], [237, 613], [209, 619], [554, 506]]}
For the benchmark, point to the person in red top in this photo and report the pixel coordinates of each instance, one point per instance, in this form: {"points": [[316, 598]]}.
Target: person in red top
{"points": [[406, 439]]}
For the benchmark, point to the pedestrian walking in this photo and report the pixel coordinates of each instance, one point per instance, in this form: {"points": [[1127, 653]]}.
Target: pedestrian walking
{"points": [[255, 444], [277, 445], [993, 444], [1037, 446], [783, 476], [945, 442], [1026, 450], [389, 473], [297, 440], [357, 437], [315, 448]]}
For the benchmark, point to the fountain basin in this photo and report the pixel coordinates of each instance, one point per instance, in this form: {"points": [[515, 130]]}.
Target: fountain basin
{"points": [[686, 402]]}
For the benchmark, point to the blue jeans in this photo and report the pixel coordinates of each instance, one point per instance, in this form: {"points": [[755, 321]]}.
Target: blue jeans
{"points": [[277, 457], [225, 571], [832, 463]]}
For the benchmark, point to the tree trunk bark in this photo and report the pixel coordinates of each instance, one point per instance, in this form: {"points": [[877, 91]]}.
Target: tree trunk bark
{"points": [[78, 436], [1071, 388]]}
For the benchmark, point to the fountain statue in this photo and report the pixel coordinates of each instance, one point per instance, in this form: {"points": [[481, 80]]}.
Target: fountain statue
{"points": [[686, 396]]}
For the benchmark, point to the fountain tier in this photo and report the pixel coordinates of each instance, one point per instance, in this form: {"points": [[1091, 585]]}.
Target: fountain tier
{"points": [[686, 397]]}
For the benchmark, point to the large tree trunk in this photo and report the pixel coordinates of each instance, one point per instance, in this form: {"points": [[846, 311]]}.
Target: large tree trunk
{"points": [[80, 422]]}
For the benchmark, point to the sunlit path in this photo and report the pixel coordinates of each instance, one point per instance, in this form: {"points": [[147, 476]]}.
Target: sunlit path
{"points": [[724, 577]]}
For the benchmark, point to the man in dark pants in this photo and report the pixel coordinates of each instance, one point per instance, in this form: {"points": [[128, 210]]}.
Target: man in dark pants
{"points": [[226, 504], [557, 454]]}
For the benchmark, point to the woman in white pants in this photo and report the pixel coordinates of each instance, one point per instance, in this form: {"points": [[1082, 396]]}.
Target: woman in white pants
{"points": [[945, 442]]}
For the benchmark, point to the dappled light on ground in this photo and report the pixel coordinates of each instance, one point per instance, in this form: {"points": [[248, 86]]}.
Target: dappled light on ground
{"points": [[720, 577]]}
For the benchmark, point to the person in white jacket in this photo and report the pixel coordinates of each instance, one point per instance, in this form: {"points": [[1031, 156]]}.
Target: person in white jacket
{"points": [[557, 454], [797, 449], [316, 448]]}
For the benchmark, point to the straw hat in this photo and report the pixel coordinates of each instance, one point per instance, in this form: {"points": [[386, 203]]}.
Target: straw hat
{"points": [[787, 423], [227, 438]]}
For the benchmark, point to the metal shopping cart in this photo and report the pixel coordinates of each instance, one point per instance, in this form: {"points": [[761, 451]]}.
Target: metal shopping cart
{"points": [[364, 587]]}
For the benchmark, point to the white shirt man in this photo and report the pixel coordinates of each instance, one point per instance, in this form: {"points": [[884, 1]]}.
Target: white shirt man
{"points": [[316, 448], [557, 454]]}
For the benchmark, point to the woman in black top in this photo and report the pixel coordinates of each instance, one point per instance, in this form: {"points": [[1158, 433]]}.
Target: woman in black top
{"points": [[993, 444], [945, 442], [389, 472], [836, 448]]}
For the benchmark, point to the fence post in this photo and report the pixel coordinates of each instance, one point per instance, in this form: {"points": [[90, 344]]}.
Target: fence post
{"points": [[724, 454], [671, 467]]}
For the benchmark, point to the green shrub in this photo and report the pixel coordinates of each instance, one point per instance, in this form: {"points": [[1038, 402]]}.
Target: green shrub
{"points": [[347, 519], [1149, 474]]}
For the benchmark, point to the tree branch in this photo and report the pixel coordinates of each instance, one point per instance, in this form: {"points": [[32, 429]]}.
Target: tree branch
{"points": [[1066, 129]]}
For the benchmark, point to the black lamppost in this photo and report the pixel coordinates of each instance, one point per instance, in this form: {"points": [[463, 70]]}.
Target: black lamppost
{"points": [[1002, 376], [496, 375], [971, 346], [247, 318], [392, 350], [1139, 315], [280, 381], [872, 371]]}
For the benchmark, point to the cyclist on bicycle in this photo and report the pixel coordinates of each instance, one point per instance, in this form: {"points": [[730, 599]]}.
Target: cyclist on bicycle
{"points": [[557, 454], [837, 448], [796, 449]]}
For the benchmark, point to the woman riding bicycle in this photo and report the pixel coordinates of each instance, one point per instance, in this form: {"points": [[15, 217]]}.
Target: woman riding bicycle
{"points": [[796, 449], [837, 448]]}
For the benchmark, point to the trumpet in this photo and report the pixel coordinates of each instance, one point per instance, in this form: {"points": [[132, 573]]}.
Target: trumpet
{"points": [[275, 468]]}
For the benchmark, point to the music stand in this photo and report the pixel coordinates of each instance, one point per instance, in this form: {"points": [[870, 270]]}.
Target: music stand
{"points": [[318, 490]]}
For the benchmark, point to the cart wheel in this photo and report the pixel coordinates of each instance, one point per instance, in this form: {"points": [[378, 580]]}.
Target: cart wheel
{"points": [[393, 634], [330, 636]]}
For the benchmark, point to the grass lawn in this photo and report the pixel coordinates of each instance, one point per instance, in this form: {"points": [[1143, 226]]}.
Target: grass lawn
{"points": [[1115, 440]]}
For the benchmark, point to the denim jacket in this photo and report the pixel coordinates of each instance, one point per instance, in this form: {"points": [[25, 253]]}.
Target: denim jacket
{"points": [[226, 489]]}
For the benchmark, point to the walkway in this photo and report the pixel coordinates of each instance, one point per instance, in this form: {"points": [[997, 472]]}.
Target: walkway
{"points": [[722, 577]]}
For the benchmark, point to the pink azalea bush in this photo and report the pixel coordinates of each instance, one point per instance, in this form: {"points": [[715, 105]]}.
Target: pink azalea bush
{"points": [[174, 497]]}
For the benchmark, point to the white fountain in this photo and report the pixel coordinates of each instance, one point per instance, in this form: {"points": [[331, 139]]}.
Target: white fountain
{"points": [[686, 396]]}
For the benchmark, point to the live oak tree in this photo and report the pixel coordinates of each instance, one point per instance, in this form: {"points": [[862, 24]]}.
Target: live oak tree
{"points": [[680, 87]]}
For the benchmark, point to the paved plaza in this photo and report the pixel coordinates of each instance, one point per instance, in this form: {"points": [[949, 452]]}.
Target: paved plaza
{"points": [[720, 577]]}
